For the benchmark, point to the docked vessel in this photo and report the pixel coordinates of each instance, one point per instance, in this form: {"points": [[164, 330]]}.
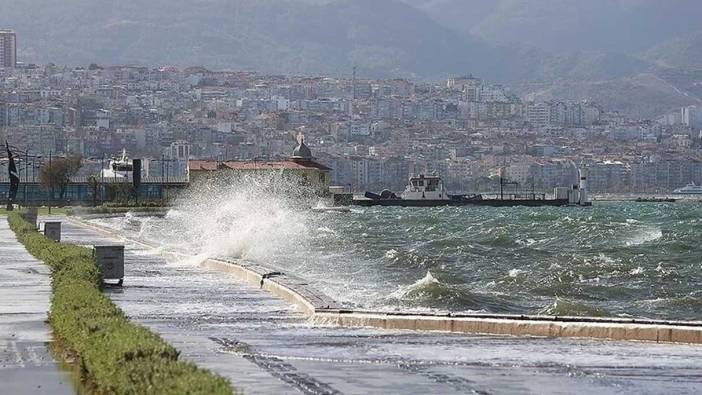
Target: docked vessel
{"points": [[689, 189], [121, 168], [429, 191]]}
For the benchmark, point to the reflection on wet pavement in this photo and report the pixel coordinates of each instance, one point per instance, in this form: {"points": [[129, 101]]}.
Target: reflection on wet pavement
{"points": [[26, 364], [263, 345]]}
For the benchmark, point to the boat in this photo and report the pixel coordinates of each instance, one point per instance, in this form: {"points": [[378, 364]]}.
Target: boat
{"points": [[689, 189], [429, 191], [654, 200], [334, 209], [120, 169]]}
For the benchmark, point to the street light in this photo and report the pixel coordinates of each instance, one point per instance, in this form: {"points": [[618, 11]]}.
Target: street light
{"points": [[51, 190], [35, 166]]}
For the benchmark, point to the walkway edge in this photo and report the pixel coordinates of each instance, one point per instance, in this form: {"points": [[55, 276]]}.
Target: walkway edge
{"points": [[323, 310]]}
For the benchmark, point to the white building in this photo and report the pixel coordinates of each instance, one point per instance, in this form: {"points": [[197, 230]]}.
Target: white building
{"points": [[538, 114], [691, 116], [8, 49]]}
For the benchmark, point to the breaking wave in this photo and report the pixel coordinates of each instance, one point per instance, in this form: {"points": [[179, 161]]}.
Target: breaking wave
{"points": [[430, 292], [564, 307], [645, 236]]}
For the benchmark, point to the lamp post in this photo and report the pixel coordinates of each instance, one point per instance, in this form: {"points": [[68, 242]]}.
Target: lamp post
{"points": [[51, 189], [102, 174], [34, 167], [162, 184], [168, 164], [26, 174]]}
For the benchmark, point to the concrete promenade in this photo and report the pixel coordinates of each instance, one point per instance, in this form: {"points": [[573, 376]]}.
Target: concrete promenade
{"points": [[26, 365], [264, 345]]}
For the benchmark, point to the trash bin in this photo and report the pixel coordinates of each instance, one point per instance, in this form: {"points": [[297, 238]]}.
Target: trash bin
{"points": [[52, 230], [110, 261], [31, 216]]}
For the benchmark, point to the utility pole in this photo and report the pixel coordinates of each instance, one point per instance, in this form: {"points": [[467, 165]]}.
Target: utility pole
{"points": [[51, 190], [102, 175], [34, 167], [168, 164], [502, 196], [162, 183], [26, 174]]}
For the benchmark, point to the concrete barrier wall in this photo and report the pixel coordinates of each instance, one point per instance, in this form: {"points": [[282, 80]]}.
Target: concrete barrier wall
{"points": [[325, 311], [255, 278], [518, 326]]}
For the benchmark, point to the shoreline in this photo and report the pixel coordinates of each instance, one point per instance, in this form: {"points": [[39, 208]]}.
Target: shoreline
{"points": [[323, 310]]}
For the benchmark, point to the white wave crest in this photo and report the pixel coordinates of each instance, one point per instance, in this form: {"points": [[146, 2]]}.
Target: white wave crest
{"points": [[646, 236]]}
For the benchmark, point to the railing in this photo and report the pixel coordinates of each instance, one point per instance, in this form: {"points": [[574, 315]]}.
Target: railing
{"points": [[514, 196]]}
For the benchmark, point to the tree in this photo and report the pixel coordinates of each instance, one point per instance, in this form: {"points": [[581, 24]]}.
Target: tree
{"points": [[57, 174], [94, 184], [119, 192]]}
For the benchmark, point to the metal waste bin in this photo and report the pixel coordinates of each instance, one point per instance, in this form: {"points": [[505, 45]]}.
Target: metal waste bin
{"points": [[31, 216], [110, 261], [52, 230]]}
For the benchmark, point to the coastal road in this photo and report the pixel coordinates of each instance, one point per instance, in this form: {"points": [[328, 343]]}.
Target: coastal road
{"points": [[263, 345]]}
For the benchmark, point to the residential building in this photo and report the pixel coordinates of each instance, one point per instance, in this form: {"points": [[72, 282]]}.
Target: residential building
{"points": [[8, 48]]}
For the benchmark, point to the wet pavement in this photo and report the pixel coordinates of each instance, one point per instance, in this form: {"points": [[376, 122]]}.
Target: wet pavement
{"points": [[26, 365], [263, 345]]}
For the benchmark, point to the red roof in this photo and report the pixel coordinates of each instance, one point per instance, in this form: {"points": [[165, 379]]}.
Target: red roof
{"points": [[204, 165]]}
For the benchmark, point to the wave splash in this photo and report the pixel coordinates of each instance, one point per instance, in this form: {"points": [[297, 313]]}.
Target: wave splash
{"points": [[564, 307], [645, 236], [255, 217], [430, 292]]}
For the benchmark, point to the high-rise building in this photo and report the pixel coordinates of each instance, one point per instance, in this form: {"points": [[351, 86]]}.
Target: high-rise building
{"points": [[691, 117], [8, 48]]}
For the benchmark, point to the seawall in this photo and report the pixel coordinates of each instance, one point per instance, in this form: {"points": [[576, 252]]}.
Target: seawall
{"points": [[323, 310]]}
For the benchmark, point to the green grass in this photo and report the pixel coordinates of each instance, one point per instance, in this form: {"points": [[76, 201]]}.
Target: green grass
{"points": [[42, 211], [115, 355], [115, 210]]}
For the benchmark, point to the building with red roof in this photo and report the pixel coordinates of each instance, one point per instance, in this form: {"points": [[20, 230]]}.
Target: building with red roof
{"points": [[301, 164]]}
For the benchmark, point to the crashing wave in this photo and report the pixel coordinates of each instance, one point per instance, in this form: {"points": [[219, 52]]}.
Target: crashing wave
{"points": [[563, 307], [646, 236]]}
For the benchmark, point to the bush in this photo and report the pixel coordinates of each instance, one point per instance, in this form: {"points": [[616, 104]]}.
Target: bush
{"points": [[115, 355]]}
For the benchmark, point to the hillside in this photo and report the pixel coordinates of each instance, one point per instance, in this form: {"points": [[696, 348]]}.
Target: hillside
{"points": [[625, 26], [684, 52], [382, 37], [568, 47], [645, 95]]}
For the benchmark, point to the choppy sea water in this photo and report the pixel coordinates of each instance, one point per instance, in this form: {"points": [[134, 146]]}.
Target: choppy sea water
{"points": [[612, 259]]}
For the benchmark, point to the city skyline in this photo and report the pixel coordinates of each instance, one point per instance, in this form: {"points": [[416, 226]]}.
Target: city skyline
{"points": [[373, 134]]}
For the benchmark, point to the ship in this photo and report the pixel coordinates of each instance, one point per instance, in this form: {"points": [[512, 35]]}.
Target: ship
{"points": [[119, 169], [689, 189], [429, 191]]}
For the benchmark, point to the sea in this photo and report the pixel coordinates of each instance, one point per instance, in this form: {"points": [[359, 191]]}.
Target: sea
{"points": [[614, 259]]}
